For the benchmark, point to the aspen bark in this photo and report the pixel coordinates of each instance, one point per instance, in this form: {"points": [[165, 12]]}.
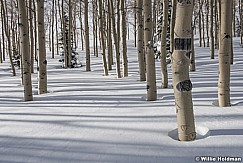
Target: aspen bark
{"points": [[200, 22], [87, 47], [140, 42], [207, 21], [31, 36], [24, 46], [163, 45], [109, 38], [118, 69], [42, 62], [180, 71], [124, 40], [52, 29], [3, 36], [211, 30], [102, 38], [7, 33], [149, 51], [225, 53], [216, 25], [135, 23], [70, 10], [241, 23], [172, 25], [192, 55]]}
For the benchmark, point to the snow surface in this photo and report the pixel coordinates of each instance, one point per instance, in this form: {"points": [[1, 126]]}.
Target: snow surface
{"points": [[88, 117]]}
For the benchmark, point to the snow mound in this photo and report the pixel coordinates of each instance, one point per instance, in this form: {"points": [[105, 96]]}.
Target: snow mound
{"points": [[202, 133]]}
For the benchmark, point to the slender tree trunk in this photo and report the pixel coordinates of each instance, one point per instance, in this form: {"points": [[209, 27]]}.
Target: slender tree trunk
{"points": [[216, 45], [140, 41], [3, 36], [52, 30], [207, 22], [102, 38], [180, 70], [224, 53], [70, 29], [149, 51], [7, 33], [200, 22], [211, 30], [56, 20], [118, 69], [109, 38], [172, 25], [164, 44], [31, 36], [87, 47], [241, 24], [233, 16], [24, 43], [118, 22], [42, 62], [203, 25], [135, 23], [124, 40], [192, 56]]}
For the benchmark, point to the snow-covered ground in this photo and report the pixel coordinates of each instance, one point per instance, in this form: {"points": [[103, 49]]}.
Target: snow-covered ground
{"points": [[88, 117]]}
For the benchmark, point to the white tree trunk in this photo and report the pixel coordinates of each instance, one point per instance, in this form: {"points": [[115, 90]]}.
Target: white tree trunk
{"points": [[24, 46], [140, 41], [124, 40], [102, 38], [180, 71], [163, 45], [118, 69], [42, 62], [149, 51], [225, 53], [87, 48]]}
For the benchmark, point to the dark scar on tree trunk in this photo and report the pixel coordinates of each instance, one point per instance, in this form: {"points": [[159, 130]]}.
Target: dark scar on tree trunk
{"points": [[184, 86], [183, 44]]}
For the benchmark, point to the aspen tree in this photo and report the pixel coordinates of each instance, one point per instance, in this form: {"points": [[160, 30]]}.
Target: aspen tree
{"points": [[203, 24], [211, 30], [172, 25], [192, 55], [124, 39], [163, 45], [225, 53], [3, 36], [200, 22], [140, 41], [216, 24], [180, 70], [118, 69], [87, 47], [109, 38], [81, 27], [207, 21], [64, 36], [241, 23], [70, 19], [42, 62], [24, 46], [31, 36], [149, 51], [7, 33], [102, 38], [135, 23], [52, 29]]}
